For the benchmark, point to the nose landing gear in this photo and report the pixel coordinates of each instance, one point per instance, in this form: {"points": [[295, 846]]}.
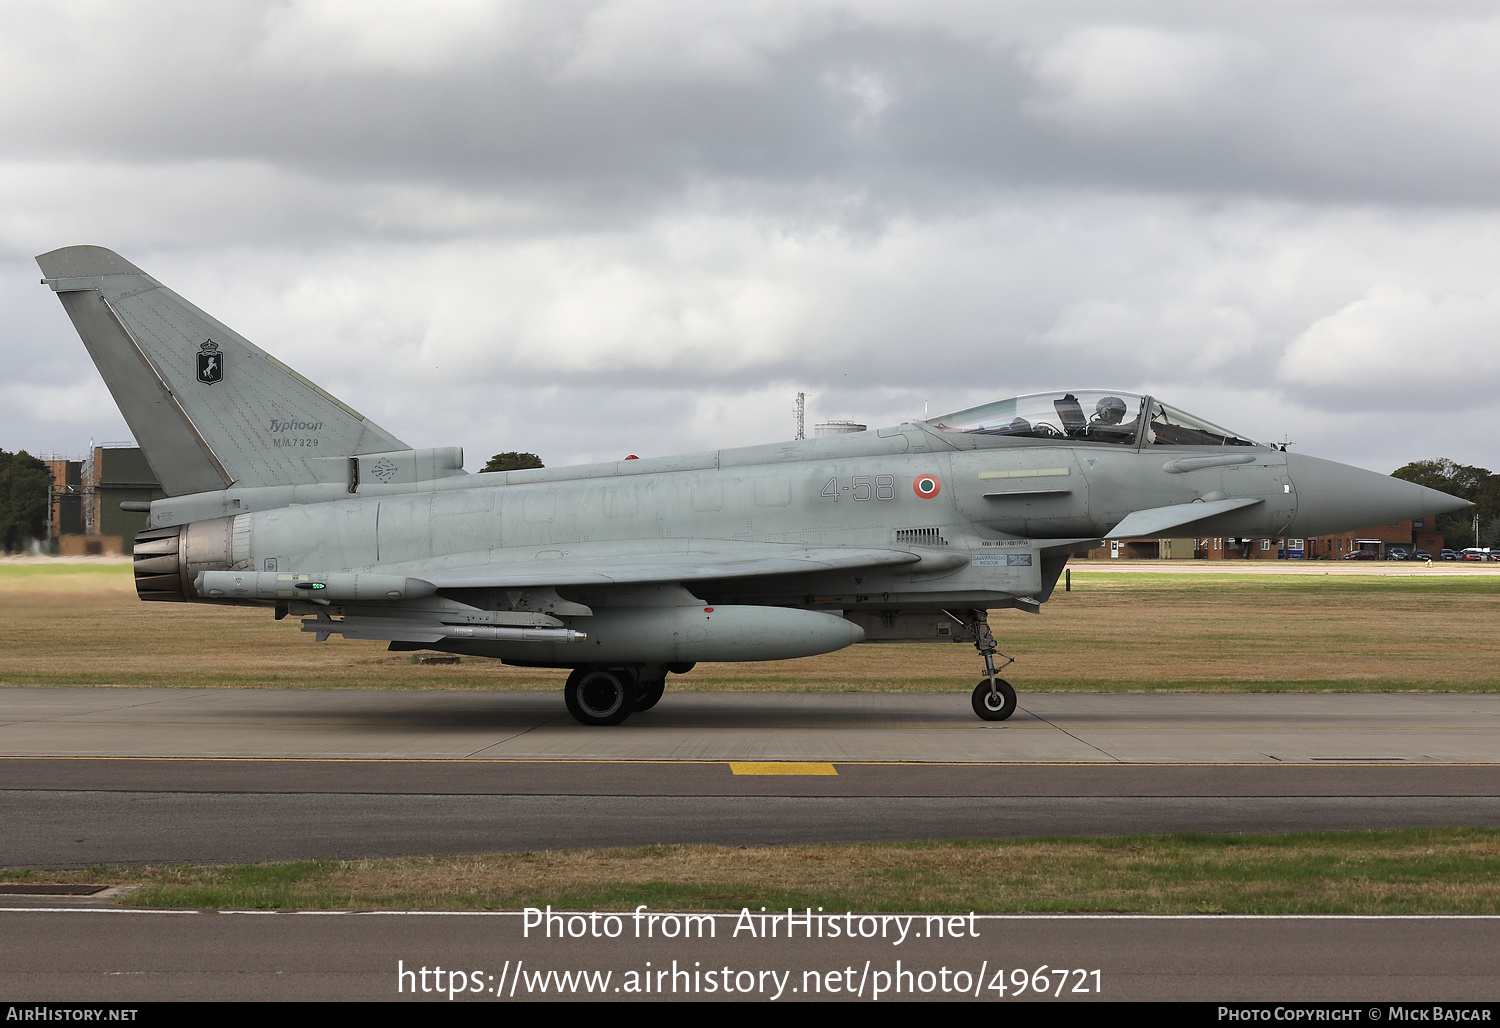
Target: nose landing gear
{"points": [[994, 699]]}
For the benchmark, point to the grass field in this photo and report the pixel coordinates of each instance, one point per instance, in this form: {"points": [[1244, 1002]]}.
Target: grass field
{"points": [[1444, 871], [81, 624]]}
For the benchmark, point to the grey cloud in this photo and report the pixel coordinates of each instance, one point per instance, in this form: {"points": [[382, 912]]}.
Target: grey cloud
{"points": [[1302, 101], [551, 224]]}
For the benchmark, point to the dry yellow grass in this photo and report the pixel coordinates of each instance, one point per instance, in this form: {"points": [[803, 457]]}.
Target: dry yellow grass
{"points": [[1114, 631]]}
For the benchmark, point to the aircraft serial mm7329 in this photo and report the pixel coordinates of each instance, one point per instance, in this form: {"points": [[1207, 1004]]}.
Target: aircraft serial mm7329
{"points": [[282, 496]]}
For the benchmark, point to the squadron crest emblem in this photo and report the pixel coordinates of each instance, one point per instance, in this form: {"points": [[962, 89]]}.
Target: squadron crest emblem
{"points": [[210, 363]]}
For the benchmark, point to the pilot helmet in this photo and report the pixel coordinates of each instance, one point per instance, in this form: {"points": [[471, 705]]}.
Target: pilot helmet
{"points": [[1110, 410]]}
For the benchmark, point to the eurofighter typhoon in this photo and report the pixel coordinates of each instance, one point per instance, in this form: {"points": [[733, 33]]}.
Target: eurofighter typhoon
{"points": [[280, 495]]}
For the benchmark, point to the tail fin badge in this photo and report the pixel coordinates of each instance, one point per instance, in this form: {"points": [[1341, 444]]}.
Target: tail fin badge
{"points": [[210, 363]]}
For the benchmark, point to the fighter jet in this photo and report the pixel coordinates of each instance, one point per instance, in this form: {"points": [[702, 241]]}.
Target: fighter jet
{"points": [[281, 496]]}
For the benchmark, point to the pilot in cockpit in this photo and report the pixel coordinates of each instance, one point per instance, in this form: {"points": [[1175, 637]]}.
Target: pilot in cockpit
{"points": [[1108, 411]]}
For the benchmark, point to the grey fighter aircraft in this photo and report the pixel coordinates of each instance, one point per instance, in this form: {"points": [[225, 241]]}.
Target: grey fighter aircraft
{"points": [[280, 495]]}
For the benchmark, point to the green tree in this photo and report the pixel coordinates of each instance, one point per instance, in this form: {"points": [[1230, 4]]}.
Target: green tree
{"points": [[1480, 486], [23, 498], [1490, 534], [513, 461]]}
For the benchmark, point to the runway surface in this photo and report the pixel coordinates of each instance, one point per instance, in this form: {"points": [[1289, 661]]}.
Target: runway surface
{"points": [[855, 727], [104, 776], [140, 775]]}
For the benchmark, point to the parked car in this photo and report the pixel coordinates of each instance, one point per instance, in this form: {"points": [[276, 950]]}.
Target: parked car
{"points": [[1396, 553], [1473, 553], [1449, 554], [1361, 555], [1423, 555]]}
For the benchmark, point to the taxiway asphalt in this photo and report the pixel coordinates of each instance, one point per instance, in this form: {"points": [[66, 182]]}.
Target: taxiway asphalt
{"points": [[102, 776], [92, 776]]}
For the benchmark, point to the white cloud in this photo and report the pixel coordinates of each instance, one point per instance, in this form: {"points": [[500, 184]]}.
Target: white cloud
{"points": [[1119, 78], [1387, 343], [51, 203], [321, 38], [1175, 340], [686, 41]]}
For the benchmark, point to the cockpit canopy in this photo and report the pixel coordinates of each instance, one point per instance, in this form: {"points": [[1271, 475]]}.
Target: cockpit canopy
{"points": [[1090, 415]]}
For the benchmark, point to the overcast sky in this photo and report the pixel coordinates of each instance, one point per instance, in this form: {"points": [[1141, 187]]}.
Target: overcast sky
{"points": [[586, 229]]}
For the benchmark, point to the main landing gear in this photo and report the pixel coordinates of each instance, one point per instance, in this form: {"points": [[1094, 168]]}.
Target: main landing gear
{"points": [[994, 699], [600, 696], [607, 696]]}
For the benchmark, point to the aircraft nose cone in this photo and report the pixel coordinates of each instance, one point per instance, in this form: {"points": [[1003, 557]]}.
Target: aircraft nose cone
{"points": [[1333, 497]]}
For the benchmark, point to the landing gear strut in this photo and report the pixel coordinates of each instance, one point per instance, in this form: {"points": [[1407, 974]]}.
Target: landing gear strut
{"points": [[994, 699], [651, 682]]}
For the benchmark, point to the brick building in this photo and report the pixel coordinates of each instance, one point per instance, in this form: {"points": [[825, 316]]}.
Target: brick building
{"points": [[1410, 536], [65, 516], [86, 518]]}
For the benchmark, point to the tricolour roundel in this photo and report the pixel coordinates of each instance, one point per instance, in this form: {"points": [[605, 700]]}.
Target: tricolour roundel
{"points": [[927, 486]]}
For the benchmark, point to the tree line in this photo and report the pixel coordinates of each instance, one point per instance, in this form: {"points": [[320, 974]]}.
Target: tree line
{"points": [[1479, 486], [23, 499]]}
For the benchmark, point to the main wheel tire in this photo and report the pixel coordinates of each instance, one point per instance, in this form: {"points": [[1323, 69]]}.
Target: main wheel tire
{"points": [[991, 707], [648, 692], [600, 696]]}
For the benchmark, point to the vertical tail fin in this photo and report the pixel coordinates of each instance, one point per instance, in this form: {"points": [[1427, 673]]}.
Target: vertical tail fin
{"points": [[209, 408]]}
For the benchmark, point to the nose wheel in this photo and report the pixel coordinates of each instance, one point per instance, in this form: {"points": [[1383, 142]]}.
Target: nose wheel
{"points": [[994, 699]]}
